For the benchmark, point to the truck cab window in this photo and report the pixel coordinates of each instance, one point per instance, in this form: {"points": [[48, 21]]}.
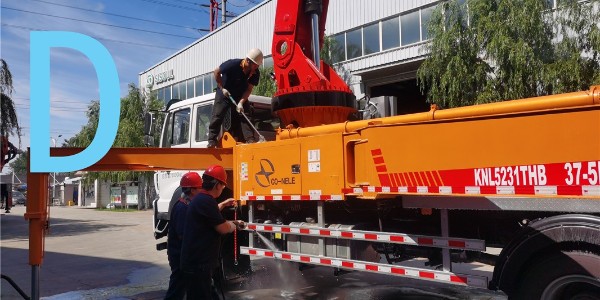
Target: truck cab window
{"points": [[203, 114], [181, 127]]}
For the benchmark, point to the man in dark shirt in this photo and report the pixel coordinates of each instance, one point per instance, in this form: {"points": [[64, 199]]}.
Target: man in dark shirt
{"points": [[202, 234], [235, 78], [190, 183]]}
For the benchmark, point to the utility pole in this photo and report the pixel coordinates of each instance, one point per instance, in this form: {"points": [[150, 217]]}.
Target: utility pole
{"points": [[54, 174], [224, 13]]}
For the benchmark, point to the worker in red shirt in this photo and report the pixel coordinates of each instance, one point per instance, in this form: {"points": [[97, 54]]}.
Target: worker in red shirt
{"points": [[202, 234]]}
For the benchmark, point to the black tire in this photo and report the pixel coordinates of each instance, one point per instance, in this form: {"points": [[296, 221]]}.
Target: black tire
{"points": [[564, 275]]}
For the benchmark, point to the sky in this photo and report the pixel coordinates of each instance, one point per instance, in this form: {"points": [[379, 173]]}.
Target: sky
{"points": [[137, 33]]}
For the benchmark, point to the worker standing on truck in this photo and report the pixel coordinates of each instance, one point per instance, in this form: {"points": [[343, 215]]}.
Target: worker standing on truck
{"points": [[235, 78], [204, 226], [190, 184]]}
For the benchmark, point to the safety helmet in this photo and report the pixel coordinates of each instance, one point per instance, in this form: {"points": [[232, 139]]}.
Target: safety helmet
{"points": [[217, 172], [190, 180], [255, 55]]}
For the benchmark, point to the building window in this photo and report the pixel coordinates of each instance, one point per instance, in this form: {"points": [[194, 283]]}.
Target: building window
{"points": [[371, 38], [175, 91], [390, 33], [190, 88], [160, 94], [168, 95], [268, 62], [207, 83], [354, 43], [182, 90], [199, 86], [425, 17], [338, 49], [409, 28]]}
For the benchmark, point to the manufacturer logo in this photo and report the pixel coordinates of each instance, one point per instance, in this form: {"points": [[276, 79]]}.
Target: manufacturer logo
{"points": [[149, 80], [266, 170]]}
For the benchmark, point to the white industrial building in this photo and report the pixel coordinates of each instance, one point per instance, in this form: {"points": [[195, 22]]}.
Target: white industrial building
{"points": [[379, 47]]}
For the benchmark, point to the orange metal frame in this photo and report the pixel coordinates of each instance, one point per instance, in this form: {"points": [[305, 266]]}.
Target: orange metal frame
{"points": [[117, 159]]}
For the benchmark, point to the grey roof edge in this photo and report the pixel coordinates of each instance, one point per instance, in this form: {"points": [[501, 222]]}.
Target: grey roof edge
{"points": [[257, 6]]}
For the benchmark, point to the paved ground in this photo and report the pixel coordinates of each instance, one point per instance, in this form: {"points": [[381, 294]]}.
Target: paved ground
{"points": [[101, 255]]}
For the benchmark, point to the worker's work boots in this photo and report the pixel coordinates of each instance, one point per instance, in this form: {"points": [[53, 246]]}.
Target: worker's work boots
{"points": [[211, 144]]}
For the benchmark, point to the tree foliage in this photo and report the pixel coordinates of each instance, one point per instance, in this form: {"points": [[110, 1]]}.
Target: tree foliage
{"points": [[129, 134], [266, 85], [19, 164], [492, 50], [9, 123]]}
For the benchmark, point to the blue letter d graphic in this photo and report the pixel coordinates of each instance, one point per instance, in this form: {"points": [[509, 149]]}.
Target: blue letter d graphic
{"points": [[108, 81]]}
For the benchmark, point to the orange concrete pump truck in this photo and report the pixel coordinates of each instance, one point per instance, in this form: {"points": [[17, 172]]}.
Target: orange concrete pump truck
{"points": [[445, 186]]}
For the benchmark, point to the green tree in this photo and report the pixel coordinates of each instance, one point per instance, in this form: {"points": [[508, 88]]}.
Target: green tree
{"points": [[19, 164], [266, 86], [9, 123], [129, 134], [493, 50]]}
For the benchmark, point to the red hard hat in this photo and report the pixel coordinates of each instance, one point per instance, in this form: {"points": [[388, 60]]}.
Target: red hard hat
{"points": [[217, 172], [191, 179]]}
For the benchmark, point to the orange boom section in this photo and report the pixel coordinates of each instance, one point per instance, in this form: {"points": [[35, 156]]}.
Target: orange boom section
{"points": [[544, 146]]}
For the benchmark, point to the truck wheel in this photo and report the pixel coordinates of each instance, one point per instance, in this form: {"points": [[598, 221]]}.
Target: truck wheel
{"points": [[563, 275]]}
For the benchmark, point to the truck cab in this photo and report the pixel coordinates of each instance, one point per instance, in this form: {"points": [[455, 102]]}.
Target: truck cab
{"points": [[186, 126]]}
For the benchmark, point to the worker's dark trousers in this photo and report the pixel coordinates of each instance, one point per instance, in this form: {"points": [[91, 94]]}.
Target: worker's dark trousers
{"points": [[201, 286], [241, 131], [177, 281]]}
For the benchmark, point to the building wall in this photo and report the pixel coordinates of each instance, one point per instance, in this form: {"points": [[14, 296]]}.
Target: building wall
{"points": [[255, 28]]}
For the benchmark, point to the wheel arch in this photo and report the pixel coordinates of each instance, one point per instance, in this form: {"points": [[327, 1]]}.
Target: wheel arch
{"points": [[543, 236]]}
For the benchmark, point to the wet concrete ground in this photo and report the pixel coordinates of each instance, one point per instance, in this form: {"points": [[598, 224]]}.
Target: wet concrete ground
{"points": [[101, 255]]}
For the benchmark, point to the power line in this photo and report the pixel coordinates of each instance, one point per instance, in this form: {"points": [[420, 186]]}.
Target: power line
{"points": [[121, 16], [98, 23], [238, 5], [175, 6], [98, 38], [55, 101]]}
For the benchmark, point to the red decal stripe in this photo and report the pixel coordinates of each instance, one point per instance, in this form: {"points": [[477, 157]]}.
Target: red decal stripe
{"points": [[304, 197], [393, 180], [304, 230], [269, 228], [305, 258], [378, 160], [324, 232], [424, 178], [425, 241], [251, 251], [369, 236], [375, 152], [269, 254], [286, 229], [457, 244], [347, 264], [251, 226], [347, 234], [398, 271], [396, 238], [326, 261], [372, 268], [431, 178], [426, 274], [286, 256], [384, 179], [381, 169], [459, 279], [286, 197]]}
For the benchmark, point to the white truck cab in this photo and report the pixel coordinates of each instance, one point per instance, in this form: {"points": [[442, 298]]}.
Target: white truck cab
{"points": [[186, 126]]}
